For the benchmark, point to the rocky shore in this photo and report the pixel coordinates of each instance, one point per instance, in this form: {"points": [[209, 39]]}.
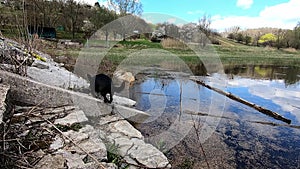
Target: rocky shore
{"points": [[55, 127]]}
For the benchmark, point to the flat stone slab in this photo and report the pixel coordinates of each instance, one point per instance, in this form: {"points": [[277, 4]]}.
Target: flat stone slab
{"points": [[76, 116], [123, 101], [131, 114], [51, 161], [130, 143], [30, 92], [51, 73]]}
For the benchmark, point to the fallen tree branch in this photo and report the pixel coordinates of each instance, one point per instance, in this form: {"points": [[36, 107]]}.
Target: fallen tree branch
{"points": [[250, 121], [245, 102]]}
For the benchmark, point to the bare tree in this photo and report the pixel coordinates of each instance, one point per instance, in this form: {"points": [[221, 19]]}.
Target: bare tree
{"points": [[204, 29], [101, 16], [71, 14], [43, 12], [169, 29], [296, 39], [124, 7], [187, 32], [127, 25]]}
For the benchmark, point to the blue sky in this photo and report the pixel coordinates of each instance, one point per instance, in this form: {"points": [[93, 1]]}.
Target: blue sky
{"points": [[226, 13]]}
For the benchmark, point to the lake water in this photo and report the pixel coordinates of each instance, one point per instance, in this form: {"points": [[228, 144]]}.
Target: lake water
{"points": [[186, 116]]}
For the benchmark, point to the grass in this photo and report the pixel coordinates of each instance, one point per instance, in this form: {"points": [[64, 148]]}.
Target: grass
{"points": [[68, 35], [114, 157], [140, 44], [248, 55], [145, 53], [236, 54]]}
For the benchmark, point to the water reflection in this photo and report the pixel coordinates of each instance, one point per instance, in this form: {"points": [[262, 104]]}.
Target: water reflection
{"points": [[274, 95], [242, 139], [290, 75]]}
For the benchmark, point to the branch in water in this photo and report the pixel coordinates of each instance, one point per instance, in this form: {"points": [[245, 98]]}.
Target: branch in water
{"points": [[256, 107]]}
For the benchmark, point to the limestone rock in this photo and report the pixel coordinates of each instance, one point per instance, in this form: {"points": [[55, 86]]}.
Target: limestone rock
{"points": [[131, 114], [93, 165], [93, 147], [4, 105], [126, 129], [40, 64], [57, 143], [89, 140], [74, 160], [51, 161], [125, 76], [76, 116], [109, 119], [76, 136], [124, 101], [130, 143], [147, 155]]}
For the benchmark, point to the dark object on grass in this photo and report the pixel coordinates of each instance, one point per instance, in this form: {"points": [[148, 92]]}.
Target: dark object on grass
{"points": [[103, 85]]}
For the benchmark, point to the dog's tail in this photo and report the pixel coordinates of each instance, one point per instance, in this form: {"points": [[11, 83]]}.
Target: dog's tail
{"points": [[119, 89]]}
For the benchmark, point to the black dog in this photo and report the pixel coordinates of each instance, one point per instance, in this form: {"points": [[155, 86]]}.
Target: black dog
{"points": [[102, 84]]}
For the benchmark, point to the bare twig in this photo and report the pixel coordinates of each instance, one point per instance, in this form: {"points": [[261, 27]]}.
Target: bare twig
{"points": [[197, 128], [71, 140]]}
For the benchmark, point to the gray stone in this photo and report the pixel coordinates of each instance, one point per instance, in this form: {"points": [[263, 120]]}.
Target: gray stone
{"points": [[87, 129], [63, 59], [39, 154], [76, 116], [131, 114], [123, 101], [124, 76], [126, 129], [109, 119], [130, 143], [57, 76], [40, 64], [74, 160], [89, 140], [4, 107], [31, 92], [76, 136], [147, 155], [124, 144], [51, 161], [35, 93], [94, 165], [57, 143], [50, 73]]}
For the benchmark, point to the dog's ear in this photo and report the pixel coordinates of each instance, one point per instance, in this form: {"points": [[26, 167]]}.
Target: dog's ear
{"points": [[89, 77]]}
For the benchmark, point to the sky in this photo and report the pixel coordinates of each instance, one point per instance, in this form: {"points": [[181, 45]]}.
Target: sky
{"points": [[224, 13]]}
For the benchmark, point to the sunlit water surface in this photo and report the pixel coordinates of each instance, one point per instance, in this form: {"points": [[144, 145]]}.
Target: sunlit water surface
{"points": [[248, 138]]}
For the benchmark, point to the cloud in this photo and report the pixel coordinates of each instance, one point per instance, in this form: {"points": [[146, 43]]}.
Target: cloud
{"points": [[245, 4], [284, 11], [274, 16], [287, 99]]}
